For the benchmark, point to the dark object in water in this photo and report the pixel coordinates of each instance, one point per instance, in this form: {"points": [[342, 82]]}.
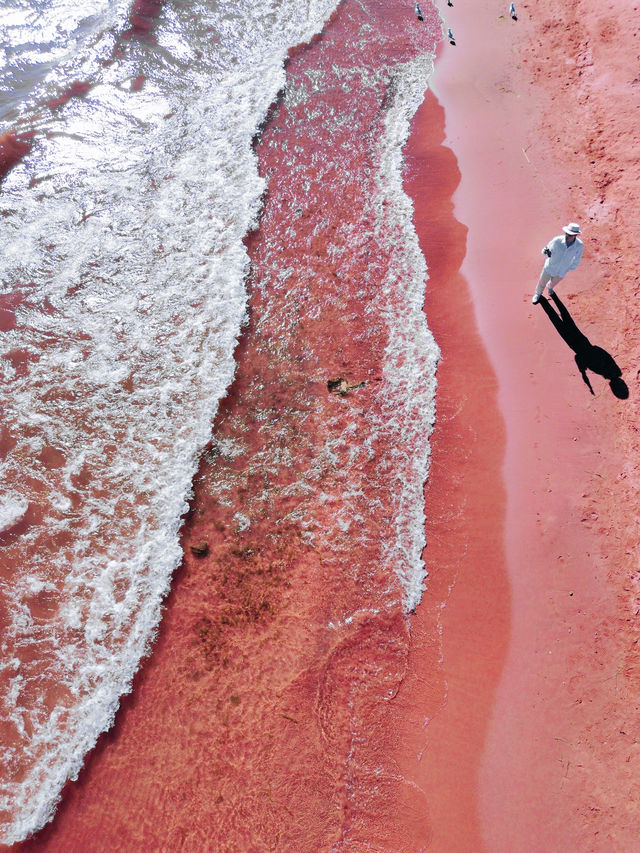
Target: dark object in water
{"points": [[341, 386]]}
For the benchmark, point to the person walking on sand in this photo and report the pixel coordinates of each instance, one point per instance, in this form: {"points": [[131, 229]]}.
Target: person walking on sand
{"points": [[564, 253]]}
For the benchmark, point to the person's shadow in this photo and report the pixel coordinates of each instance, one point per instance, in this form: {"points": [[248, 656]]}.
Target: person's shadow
{"points": [[588, 357]]}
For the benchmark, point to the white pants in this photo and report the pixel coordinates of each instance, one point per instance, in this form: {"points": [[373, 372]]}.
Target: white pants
{"points": [[546, 279]]}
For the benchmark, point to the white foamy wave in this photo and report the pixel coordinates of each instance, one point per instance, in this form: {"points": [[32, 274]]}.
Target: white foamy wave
{"points": [[124, 265], [41, 39], [407, 396], [12, 509]]}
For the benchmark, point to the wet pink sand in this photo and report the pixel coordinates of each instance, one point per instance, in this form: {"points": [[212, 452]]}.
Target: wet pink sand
{"points": [[461, 629]]}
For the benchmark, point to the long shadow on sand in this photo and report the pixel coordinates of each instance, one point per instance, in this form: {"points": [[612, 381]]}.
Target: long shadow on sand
{"points": [[588, 356]]}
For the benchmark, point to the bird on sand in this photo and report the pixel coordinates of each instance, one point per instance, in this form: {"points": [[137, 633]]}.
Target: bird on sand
{"points": [[450, 36], [512, 11]]}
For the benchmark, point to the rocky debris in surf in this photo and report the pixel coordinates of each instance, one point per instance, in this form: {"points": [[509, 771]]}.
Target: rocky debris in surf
{"points": [[199, 549], [342, 386]]}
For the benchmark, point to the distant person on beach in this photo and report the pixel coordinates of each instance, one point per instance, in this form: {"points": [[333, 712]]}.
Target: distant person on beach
{"points": [[564, 253]]}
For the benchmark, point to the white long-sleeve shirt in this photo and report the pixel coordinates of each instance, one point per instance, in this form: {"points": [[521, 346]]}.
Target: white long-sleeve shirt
{"points": [[564, 258]]}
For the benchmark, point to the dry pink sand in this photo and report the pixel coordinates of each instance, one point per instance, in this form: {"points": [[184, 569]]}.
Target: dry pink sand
{"points": [[541, 115]]}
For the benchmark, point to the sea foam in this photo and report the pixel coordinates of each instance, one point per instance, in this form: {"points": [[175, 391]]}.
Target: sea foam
{"points": [[408, 395]]}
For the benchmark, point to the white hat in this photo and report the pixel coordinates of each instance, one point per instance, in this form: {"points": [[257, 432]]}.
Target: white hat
{"points": [[572, 228]]}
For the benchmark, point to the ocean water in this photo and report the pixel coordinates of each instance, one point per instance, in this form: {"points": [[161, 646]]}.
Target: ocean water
{"points": [[123, 295]]}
